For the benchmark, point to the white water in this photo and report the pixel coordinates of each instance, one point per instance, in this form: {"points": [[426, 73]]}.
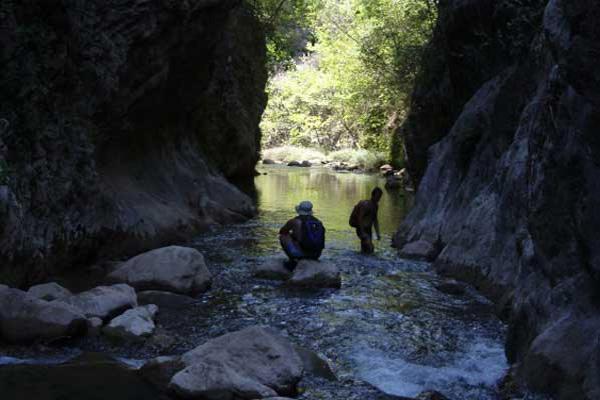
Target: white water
{"points": [[482, 364]]}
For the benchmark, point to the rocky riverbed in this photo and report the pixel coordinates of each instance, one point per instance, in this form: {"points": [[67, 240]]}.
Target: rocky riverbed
{"points": [[394, 328]]}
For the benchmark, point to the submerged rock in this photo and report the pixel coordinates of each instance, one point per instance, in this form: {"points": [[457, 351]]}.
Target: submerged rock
{"points": [[49, 291], [419, 250], [164, 299], [134, 324], [174, 268], [160, 370], [24, 318], [252, 363], [272, 268], [104, 301], [316, 274]]}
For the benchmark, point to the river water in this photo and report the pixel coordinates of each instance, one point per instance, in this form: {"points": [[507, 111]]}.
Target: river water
{"points": [[387, 331]]}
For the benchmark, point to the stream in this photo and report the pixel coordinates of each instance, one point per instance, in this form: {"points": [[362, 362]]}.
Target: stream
{"points": [[387, 332]]}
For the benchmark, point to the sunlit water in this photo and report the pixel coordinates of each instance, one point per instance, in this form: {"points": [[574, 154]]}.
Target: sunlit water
{"points": [[387, 330]]}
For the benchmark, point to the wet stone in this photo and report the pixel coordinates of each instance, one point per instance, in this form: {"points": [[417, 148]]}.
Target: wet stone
{"points": [[272, 268]]}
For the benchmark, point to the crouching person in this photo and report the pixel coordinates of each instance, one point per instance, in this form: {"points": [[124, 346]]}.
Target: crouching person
{"points": [[302, 237]]}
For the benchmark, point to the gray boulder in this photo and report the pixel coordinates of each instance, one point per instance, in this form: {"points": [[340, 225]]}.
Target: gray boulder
{"points": [[267, 161], [24, 318], [316, 274], [272, 268], [306, 164], [294, 164], [253, 363], [104, 301], [419, 250], [49, 291], [174, 268], [134, 324]]}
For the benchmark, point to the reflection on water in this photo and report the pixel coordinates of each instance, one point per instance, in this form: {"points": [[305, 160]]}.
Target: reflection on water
{"points": [[333, 196]]}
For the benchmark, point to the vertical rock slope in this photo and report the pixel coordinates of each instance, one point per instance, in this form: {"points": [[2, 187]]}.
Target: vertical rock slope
{"points": [[120, 122], [504, 132]]}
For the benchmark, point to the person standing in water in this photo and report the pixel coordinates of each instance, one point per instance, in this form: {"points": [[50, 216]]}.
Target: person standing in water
{"points": [[364, 219], [302, 237]]}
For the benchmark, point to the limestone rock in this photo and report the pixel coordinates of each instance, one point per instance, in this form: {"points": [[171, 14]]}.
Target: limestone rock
{"points": [[252, 363], [272, 268], [49, 291], [25, 318], [134, 324], [104, 301], [205, 60], [174, 268], [316, 274]]}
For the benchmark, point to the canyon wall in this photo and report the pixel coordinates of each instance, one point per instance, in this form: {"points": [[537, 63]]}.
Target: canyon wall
{"points": [[121, 122], [504, 140]]}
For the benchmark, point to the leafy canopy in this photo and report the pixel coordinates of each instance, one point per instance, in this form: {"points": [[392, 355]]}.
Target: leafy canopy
{"points": [[342, 70]]}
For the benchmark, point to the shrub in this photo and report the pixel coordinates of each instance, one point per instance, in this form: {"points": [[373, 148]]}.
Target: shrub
{"points": [[363, 158], [293, 153]]}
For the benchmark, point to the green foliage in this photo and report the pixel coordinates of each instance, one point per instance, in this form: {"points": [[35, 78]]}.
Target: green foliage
{"points": [[293, 153], [350, 89], [363, 158], [288, 28]]}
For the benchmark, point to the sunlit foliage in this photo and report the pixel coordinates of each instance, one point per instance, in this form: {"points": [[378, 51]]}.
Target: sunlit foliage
{"points": [[345, 84]]}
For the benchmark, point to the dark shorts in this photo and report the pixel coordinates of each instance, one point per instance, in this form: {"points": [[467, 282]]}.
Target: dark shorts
{"points": [[295, 252]]}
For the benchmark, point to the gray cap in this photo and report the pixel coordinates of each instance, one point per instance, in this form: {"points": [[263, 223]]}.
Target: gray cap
{"points": [[304, 208]]}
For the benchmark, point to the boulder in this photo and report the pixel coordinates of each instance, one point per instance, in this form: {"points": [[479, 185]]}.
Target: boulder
{"points": [[164, 299], [49, 291], [316, 274], [267, 161], [25, 318], [272, 268], [104, 301], [252, 363], [419, 250], [306, 164], [174, 268], [294, 164], [134, 324]]}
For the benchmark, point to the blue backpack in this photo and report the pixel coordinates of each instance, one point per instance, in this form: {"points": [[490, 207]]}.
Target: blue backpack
{"points": [[313, 235]]}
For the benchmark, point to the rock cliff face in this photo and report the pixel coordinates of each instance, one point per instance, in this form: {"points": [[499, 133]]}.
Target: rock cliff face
{"points": [[120, 121], [504, 132]]}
